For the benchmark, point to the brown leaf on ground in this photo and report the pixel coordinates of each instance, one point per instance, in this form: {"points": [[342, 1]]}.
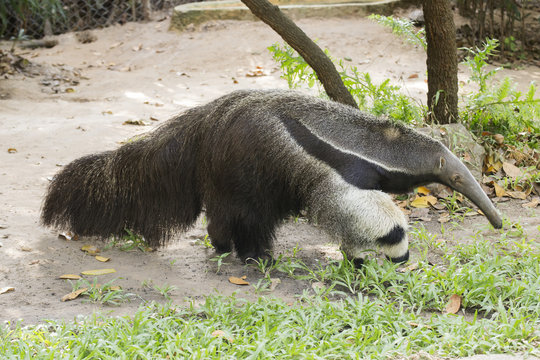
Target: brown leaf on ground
{"points": [[499, 190], [70, 277], [102, 258], [68, 236], [135, 122], [222, 334], [6, 289], [423, 201], [411, 267], [453, 305], [517, 194], [499, 139], [73, 295], [97, 272], [534, 203], [237, 281], [90, 249], [511, 170], [274, 282]]}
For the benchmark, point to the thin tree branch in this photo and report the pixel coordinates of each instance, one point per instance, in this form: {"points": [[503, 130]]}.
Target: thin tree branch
{"points": [[298, 40]]}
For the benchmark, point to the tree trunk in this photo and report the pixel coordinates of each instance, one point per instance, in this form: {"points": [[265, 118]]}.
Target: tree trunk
{"points": [[299, 41], [441, 61]]}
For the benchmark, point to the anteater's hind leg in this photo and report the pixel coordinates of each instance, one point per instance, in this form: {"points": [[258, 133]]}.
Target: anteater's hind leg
{"points": [[250, 232]]}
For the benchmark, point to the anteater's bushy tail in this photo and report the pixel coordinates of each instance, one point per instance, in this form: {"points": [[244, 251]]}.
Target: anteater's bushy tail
{"points": [[131, 187]]}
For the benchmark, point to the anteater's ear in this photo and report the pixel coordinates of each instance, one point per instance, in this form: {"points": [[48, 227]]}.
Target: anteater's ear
{"points": [[442, 162]]}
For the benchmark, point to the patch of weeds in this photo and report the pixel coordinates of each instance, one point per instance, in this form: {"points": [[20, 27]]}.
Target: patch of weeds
{"points": [[403, 28], [106, 294], [219, 260], [205, 242], [165, 290], [312, 327], [456, 210], [129, 241], [497, 106], [381, 99]]}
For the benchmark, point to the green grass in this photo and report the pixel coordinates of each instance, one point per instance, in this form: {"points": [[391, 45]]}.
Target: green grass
{"points": [[373, 313]]}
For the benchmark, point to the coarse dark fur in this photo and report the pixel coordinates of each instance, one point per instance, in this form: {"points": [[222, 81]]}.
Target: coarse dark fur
{"points": [[251, 158]]}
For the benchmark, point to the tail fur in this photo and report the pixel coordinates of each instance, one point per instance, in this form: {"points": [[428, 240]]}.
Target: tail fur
{"points": [[103, 194]]}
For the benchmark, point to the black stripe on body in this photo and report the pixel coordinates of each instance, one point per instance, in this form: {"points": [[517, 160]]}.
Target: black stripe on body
{"points": [[354, 169]]}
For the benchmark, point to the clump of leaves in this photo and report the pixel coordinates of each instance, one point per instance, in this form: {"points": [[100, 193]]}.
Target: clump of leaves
{"points": [[497, 106], [129, 241], [382, 99], [106, 294], [404, 28]]}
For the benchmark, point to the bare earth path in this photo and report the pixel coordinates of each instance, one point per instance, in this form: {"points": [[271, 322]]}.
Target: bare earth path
{"points": [[143, 72]]}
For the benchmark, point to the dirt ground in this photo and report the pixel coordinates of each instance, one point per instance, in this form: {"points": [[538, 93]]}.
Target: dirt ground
{"points": [[144, 72]]}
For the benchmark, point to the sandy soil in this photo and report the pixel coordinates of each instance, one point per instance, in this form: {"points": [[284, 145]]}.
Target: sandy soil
{"points": [[144, 72]]}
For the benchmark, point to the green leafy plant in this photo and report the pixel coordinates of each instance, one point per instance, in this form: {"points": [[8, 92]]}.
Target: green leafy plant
{"points": [[106, 294], [497, 106], [165, 290], [381, 99], [219, 260], [404, 28], [130, 241]]}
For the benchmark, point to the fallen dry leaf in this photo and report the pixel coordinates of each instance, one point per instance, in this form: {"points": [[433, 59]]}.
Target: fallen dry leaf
{"points": [[423, 201], [90, 249], [222, 334], [274, 282], [411, 267], [413, 76], [70, 277], [511, 170], [12, 150], [499, 139], [73, 295], [420, 214], [97, 272], [237, 281], [499, 190], [68, 236], [423, 190], [444, 218], [102, 258], [25, 248], [534, 203], [517, 194], [454, 303], [135, 122], [6, 289], [413, 324], [34, 262], [258, 71]]}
